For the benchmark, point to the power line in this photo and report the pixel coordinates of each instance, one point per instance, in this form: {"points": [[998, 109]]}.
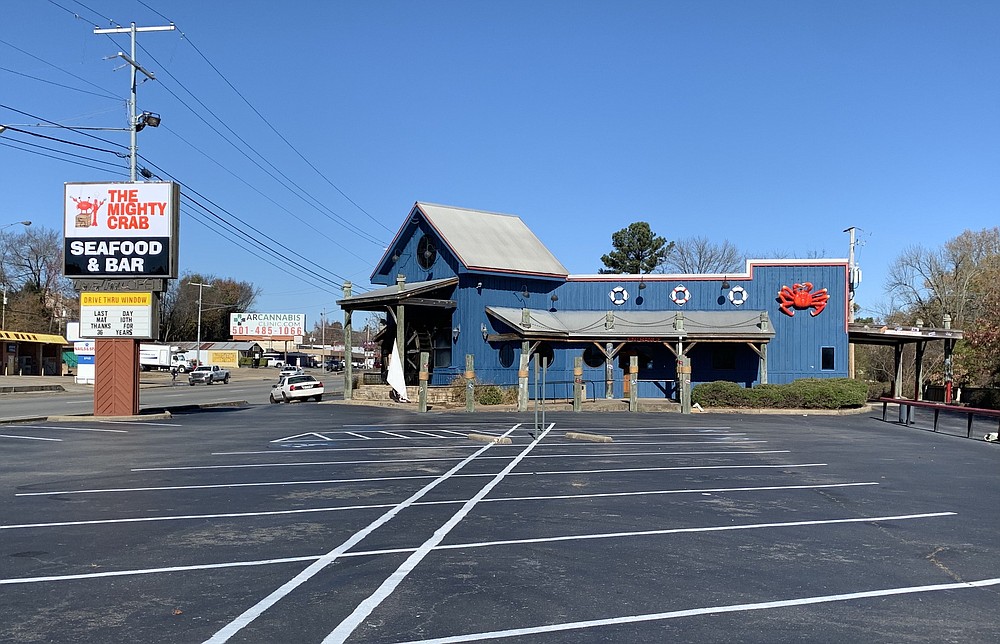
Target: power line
{"points": [[69, 154], [52, 138], [75, 89], [65, 127], [10, 144], [250, 185], [298, 190], [185, 37], [42, 60]]}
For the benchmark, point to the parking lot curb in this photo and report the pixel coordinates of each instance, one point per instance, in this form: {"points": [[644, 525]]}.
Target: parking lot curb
{"points": [[91, 418], [593, 438], [486, 438]]}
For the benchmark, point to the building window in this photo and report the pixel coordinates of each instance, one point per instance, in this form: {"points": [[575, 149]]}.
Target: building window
{"points": [[442, 349], [723, 358], [593, 357], [544, 352], [426, 252], [507, 355], [827, 361]]}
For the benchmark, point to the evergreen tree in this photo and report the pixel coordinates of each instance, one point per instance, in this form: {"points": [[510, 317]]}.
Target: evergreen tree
{"points": [[637, 250]]}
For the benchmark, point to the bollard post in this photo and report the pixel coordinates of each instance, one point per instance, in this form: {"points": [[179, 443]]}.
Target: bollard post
{"points": [[684, 382], [577, 383], [424, 377], [633, 370], [470, 384]]}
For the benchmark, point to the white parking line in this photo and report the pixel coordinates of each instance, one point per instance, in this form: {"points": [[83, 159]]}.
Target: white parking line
{"points": [[375, 506], [443, 458], [708, 610], [365, 608], [73, 429], [371, 448], [367, 438], [477, 544], [257, 609], [391, 434], [31, 438]]}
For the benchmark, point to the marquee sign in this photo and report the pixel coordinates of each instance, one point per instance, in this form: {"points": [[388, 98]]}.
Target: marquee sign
{"points": [[118, 315], [121, 229]]}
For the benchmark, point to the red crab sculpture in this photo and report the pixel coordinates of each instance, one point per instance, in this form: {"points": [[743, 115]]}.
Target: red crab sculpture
{"points": [[800, 296]]}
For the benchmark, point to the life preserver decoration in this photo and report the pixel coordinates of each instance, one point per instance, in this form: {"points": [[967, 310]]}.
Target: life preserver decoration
{"points": [[618, 295], [680, 295], [738, 295]]}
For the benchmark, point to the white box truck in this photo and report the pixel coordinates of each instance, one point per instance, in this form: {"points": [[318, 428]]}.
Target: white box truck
{"points": [[162, 357]]}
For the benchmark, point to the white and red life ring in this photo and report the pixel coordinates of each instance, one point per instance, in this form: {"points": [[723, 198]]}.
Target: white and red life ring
{"points": [[618, 295], [738, 295], [680, 295]]}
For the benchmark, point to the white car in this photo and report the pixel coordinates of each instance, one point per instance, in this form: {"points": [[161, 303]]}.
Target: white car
{"points": [[296, 387], [289, 370]]}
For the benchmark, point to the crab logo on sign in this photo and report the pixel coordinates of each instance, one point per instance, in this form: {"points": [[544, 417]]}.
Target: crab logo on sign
{"points": [[87, 211]]}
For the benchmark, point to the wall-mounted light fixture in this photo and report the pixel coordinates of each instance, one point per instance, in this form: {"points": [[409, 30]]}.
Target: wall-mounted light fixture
{"points": [[554, 298], [455, 332], [485, 330], [725, 283], [524, 292]]}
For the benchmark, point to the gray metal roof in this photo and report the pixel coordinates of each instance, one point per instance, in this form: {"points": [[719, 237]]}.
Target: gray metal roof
{"points": [[394, 294], [492, 242], [731, 326]]}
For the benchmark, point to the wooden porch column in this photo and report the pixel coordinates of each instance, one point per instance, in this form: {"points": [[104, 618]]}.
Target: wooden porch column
{"points": [[348, 349], [918, 390]]}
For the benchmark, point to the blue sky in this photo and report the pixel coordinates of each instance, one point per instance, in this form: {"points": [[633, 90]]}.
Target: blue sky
{"points": [[774, 125]]}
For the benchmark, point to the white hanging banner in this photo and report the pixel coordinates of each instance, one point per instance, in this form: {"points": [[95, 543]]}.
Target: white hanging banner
{"points": [[395, 376]]}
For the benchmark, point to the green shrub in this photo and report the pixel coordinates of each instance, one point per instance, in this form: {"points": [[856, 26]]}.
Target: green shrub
{"points": [[495, 395], [807, 393], [721, 393]]}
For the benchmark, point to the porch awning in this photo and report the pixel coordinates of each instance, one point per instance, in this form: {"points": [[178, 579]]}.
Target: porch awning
{"points": [[43, 338], [632, 326], [413, 294]]}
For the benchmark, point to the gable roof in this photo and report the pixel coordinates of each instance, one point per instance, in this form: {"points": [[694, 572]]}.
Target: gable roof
{"points": [[488, 241]]}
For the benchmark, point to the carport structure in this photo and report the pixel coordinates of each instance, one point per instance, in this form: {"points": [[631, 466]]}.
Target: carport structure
{"points": [[898, 337]]}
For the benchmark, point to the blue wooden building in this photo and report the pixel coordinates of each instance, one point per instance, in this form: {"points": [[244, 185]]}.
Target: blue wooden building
{"points": [[458, 282]]}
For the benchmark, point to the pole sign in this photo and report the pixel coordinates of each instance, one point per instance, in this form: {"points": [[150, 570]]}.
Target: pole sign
{"points": [[277, 326], [121, 229], [117, 315]]}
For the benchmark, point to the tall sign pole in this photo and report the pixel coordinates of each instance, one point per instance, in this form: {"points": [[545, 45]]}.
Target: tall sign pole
{"points": [[852, 281], [134, 121]]}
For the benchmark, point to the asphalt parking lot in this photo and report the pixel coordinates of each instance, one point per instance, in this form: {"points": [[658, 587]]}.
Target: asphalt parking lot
{"points": [[325, 522]]}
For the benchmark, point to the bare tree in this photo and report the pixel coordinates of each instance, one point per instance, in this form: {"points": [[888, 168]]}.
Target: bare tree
{"points": [[955, 279], [39, 297], [179, 307], [701, 255]]}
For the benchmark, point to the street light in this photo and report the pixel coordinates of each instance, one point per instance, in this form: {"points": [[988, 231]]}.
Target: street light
{"points": [[15, 223], [3, 310], [201, 287]]}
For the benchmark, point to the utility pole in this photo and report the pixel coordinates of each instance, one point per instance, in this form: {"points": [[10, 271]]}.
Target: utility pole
{"points": [[134, 120], [201, 287], [322, 321], [853, 279]]}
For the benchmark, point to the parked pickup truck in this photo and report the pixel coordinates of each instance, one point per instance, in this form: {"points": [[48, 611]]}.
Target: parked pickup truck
{"points": [[208, 374]]}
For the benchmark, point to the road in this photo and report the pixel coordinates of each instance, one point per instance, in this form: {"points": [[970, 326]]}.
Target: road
{"points": [[156, 392]]}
